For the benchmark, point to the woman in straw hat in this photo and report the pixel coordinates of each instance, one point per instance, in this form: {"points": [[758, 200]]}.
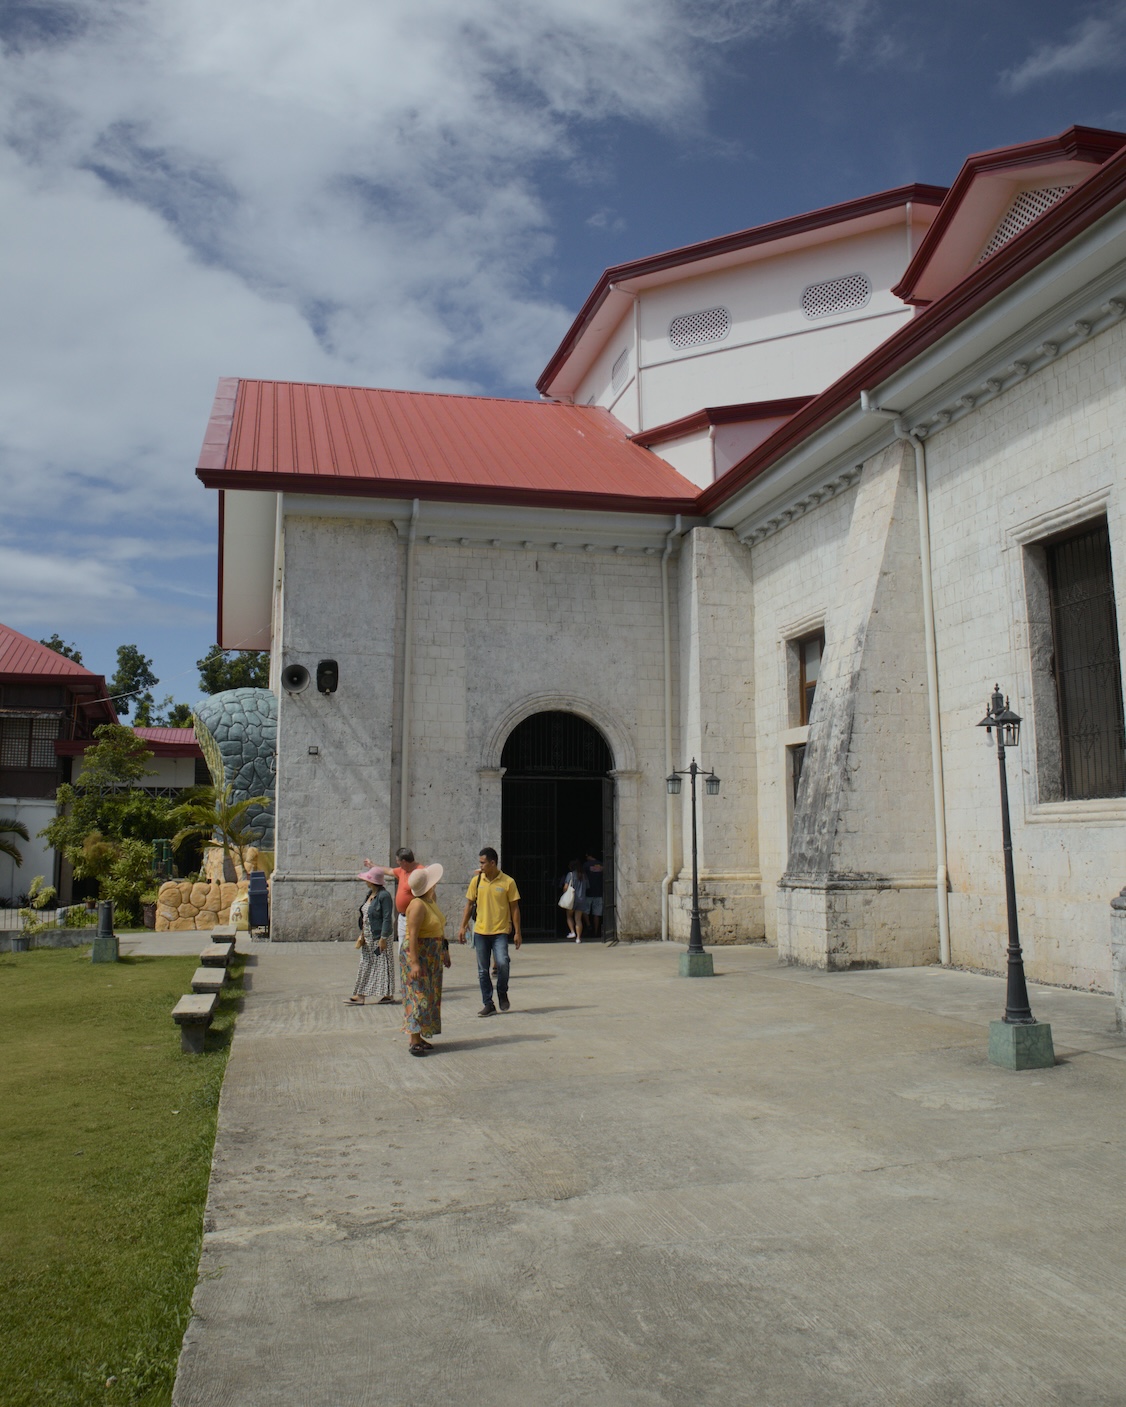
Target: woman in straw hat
{"points": [[421, 960], [376, 977]]}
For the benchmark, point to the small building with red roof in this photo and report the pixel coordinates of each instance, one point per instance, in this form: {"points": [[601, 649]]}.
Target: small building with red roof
{"points": [[792, 501], [49, 708]]}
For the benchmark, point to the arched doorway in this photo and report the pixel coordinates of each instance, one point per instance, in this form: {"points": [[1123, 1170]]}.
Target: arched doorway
{"points": [[557, 802]]}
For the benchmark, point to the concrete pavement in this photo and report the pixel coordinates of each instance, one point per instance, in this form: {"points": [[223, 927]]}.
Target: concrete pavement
{"points": [[773, 1187]]}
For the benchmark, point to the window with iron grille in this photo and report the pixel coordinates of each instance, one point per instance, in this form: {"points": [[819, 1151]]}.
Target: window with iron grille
{"points": [[28, 742], [695, 329], [837, 295], [1086, 665]]}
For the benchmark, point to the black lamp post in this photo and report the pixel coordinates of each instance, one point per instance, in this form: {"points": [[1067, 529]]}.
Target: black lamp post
{"points": [[697, 958], [1004, 1047]]}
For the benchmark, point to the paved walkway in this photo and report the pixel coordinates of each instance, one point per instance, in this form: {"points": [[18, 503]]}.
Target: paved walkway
{"points": [[773, 1188]]}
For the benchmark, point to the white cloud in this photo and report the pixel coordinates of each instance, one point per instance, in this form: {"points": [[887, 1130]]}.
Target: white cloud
{"points": [[309, 189], [1098, 42]]}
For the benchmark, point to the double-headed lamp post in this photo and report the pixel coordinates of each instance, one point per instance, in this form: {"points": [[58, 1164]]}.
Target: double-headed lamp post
{"points": [[695, 963], [1018, 1041]]}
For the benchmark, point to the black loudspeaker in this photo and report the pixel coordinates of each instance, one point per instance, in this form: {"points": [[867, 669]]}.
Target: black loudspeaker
{"points": [[328, 676], [295, 678]]}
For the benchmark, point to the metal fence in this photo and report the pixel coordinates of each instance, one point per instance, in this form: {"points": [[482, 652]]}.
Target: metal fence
{"points": [[11, 920]]}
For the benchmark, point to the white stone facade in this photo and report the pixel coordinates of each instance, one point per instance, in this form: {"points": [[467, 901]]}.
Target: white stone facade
{"points": [[677, 638]]}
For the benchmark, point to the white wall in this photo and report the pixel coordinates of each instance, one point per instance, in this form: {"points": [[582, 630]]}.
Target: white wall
{"points": [[38, 857], [164, 771], [772, 349]]}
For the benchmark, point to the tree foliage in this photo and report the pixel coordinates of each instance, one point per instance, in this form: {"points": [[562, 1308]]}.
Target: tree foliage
{"points": [[106, 822], [134, 676], [209, 813], [57, 644], [166, 714], [233, 669], [9, 847]]}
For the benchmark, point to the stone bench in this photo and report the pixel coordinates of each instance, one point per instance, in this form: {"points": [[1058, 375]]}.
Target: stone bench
{"points": [[208, 979], [193, 1015], [217, 955]]}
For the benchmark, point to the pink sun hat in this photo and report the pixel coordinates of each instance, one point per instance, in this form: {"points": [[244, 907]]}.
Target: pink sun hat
{"points": [[375, 875], [423, 880]]}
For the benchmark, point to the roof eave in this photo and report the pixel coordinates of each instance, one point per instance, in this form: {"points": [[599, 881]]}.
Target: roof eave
{"points": [[434, 491]]}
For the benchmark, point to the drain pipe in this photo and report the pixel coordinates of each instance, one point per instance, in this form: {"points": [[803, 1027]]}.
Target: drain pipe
{"points": [[666, 621], [915, 440], [408, 663]]}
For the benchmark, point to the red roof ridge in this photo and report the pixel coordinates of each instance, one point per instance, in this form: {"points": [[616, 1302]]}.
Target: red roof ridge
{"points": [[403, 391], [821, 218], [1077, 143]]}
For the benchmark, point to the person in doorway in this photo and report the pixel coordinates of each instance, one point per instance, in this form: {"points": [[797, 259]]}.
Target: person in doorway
{"points": [[498, 914], [595, 876], [376, 977], [575, 880], [421, 960]]}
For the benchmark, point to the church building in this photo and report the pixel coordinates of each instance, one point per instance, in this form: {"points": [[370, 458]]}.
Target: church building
{"points": [[792, 502]]}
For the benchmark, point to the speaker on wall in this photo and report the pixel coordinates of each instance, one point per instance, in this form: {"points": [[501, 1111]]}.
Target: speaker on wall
{"points": [[295, 678], [328, 676]]}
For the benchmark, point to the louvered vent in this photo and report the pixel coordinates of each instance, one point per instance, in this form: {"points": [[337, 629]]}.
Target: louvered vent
{"points": [[1028, 206], [694, 329], [619, 371], [836, 296]]}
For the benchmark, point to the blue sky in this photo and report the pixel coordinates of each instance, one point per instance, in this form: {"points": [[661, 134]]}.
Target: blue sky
{"points": [[413, 193]]}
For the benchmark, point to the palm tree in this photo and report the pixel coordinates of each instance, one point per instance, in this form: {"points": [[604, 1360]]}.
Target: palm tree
{"points": [[9, 847], [211, 814]]}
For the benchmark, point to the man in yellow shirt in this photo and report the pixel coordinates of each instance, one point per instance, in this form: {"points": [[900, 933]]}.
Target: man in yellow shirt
{"points": [[498, 914]]}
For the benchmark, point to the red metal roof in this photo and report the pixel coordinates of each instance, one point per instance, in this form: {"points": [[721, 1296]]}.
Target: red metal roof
{"points": [[411, 444], [24, 658], [174, 737], [26, 661]]}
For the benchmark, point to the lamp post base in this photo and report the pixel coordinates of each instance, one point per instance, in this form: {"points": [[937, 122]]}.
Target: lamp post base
{"points": [[696, 965], [104, 948], [1021, 1047]]}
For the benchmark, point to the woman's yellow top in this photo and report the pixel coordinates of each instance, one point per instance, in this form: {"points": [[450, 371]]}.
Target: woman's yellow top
{"points": [[433, 923]]}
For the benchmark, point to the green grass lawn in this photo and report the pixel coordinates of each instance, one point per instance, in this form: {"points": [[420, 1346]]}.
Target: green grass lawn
{"points": [[106, 1132]]}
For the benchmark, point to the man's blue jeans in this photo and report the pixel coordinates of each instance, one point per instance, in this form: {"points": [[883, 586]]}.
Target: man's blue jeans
{"points": [[487, 946]]}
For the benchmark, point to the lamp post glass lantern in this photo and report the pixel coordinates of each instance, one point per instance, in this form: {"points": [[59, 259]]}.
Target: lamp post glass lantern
{"points": [[711, 782], [1002, 721]]}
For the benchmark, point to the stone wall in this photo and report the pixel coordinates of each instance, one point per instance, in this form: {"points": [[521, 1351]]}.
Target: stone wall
{"points": [[859, 883], [1041, 457], [500, 634]]}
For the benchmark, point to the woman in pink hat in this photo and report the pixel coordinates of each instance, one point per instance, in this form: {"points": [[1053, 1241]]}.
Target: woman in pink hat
{"points": [[421, 960], [376, 977]]}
